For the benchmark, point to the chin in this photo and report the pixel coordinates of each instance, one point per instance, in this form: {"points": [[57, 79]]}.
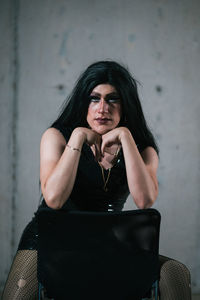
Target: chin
{"points": [[102, 131]]}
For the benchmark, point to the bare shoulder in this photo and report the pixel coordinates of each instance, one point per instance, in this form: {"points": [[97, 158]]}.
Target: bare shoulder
{"points": [[150, 157], [53, 136], [51, 148], [52, 144]]}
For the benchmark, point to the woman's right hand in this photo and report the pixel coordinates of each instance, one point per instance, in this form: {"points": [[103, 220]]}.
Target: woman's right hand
{"points": [[90, 137]]}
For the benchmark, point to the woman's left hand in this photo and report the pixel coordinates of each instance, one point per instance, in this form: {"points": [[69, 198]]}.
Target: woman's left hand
{"points": [[113, 137]]}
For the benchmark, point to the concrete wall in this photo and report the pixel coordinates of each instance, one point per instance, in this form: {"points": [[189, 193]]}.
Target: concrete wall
{"points": [[7, 137], [46, 44]]}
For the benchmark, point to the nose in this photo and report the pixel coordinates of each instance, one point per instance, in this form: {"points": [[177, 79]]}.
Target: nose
{"points": [[103, 106]]}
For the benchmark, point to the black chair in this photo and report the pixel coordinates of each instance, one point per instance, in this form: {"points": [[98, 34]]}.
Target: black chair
{"points": [[98, 255]]}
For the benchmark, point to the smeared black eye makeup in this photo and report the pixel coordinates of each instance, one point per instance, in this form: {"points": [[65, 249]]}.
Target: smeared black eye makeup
{"points": [[110, 98]]}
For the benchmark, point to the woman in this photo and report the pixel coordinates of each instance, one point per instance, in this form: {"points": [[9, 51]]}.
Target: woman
{"points": [[97, 152]]}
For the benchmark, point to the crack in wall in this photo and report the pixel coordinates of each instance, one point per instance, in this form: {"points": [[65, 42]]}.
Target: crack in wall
{"points": [[15, 18]]}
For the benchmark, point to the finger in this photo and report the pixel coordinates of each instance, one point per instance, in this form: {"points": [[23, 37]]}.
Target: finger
{"points": [[97, 156], [103, 145], [107, 141], [98, 148]]}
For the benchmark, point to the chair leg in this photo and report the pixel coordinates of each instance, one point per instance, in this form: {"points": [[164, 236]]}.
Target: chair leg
{"points": [[154, 292], [42, 293], [39, 291], [175, 281]]}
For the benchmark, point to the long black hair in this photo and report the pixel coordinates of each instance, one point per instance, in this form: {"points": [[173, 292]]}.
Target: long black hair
{"points": [[75, 108]]}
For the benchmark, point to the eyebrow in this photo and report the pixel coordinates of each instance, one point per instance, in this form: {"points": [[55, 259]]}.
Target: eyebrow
{"points": [[113, 94]]}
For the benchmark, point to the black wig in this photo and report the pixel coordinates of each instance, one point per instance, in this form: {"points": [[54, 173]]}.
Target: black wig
{"points": [[75, 108]]}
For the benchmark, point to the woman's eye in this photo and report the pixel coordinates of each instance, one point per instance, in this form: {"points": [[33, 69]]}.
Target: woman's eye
{"points": [[113, 100], [93, 99], [109, 101]]}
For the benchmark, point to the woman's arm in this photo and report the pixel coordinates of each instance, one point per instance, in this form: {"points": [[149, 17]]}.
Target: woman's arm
{"points": [[59, 163], [141, 168]]}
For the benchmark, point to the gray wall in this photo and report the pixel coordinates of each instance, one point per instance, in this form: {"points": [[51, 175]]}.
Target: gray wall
{"points": [[44, 45]]}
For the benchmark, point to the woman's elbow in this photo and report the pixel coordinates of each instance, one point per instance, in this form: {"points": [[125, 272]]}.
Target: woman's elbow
{"points": [[144, 204], [53, 202], [54, 205], [145, 201]]}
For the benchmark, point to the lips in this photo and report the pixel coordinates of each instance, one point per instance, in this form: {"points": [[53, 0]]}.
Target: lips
{"points": [[102, 120]]}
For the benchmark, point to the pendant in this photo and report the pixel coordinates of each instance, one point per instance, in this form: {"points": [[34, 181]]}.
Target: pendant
{"points": [[103, 176]]}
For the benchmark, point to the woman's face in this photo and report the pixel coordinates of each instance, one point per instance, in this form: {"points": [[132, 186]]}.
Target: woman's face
{"points": [[104, 111]]}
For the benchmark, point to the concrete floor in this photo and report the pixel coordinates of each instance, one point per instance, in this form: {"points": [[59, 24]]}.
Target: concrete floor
{"points": [[196, 297]]}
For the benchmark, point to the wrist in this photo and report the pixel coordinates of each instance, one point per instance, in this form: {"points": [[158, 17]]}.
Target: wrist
{"points": [[124, 134], [76, 140], [72, 148], [79, 135]]}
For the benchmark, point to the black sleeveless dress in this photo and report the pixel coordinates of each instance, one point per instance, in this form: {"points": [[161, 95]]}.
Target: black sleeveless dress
{"points": [[88, 193]]}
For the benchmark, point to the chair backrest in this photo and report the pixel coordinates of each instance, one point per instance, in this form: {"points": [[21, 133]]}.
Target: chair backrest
{"points": [[98, 255]]}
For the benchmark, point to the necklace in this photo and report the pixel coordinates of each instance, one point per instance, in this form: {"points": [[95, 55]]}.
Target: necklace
{"points": [[103, 176], [115, 155]]}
